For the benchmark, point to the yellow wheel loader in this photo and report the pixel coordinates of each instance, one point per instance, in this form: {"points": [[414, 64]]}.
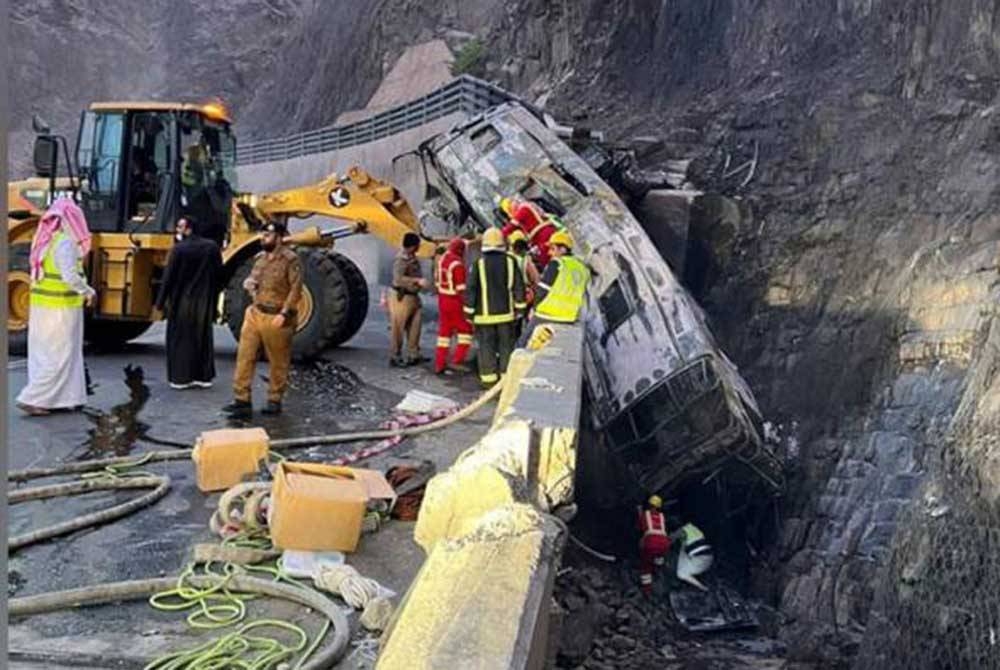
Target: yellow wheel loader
{"points": [[138, 168]]}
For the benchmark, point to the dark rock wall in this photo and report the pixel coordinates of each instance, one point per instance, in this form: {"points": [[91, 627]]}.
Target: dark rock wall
{"points": [[859, 300], [65, 54]]}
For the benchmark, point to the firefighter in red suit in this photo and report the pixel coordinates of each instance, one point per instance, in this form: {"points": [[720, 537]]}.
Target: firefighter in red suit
{"points": [[450, 282], [654, 543], [530, 218]]}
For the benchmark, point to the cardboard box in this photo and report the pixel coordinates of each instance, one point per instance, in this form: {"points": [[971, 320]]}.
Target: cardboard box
{"points": [[224, 458], [316, 507]]}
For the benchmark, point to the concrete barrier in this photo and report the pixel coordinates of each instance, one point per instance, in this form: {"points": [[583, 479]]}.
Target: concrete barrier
{"points": [[482, 597]]}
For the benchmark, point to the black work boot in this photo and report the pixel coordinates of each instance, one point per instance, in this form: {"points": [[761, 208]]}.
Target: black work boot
{"points": [[238, 408], [273, 407], [416, 359]]}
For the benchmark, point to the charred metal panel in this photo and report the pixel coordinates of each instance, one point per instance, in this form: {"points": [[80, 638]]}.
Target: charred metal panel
{"points": [[670, 401]]}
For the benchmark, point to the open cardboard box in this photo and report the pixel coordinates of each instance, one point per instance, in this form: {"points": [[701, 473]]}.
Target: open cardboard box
{"points": [[316, 507]]}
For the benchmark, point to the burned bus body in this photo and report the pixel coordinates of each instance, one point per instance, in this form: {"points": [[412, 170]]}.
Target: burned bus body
{"points": [[669, 404]]}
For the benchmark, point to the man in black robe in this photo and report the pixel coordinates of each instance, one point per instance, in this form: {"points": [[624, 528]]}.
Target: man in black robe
{"points": [[188, 298]]}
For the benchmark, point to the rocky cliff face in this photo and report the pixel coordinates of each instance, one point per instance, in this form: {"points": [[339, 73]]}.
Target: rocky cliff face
{"points": [[65, 54], [861, 304], [860, 301]]}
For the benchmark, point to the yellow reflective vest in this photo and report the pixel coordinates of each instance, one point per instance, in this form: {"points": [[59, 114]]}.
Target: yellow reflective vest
{"points": [[565, 297], [51, 291]]}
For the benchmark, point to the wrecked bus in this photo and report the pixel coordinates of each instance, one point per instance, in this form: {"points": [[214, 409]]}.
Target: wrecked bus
{"points": [[667, 401]]}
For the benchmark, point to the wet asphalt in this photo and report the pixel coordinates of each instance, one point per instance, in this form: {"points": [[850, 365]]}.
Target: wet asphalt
{"points": [[133, 410]]}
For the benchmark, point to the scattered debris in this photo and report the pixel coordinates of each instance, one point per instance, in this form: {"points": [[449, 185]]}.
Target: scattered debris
{"points": [[718, 608], [410, 483], [15, 581], [541, 383], [305, 564], [421, 402]]}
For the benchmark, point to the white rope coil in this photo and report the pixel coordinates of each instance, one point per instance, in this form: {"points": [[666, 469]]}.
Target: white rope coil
{"points": [[358, 591]]}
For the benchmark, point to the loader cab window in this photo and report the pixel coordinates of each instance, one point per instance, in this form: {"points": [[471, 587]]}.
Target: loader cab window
{"points": [[208, 172], [99, 158], [148, 169]]}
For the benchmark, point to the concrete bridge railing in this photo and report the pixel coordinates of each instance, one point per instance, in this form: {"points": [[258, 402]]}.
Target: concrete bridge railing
{"points": [[466, 95], [482, 598]]}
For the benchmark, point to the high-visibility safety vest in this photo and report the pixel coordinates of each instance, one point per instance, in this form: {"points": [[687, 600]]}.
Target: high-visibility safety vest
{"points": [[51, 291], [506, 314], [695, 543], [446, 284], [652, 523], [522, 265], [565, 296]]}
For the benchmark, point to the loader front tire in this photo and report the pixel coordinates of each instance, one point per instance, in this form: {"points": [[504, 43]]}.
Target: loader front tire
{"points": [[328, 303]]}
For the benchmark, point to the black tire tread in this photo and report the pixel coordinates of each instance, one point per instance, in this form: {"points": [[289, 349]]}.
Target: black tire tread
{"points": [[357, 289], [331, 305]]}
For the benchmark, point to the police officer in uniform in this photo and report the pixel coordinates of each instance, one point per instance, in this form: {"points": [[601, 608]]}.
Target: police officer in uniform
{"points": [[494, 300], [275, 284], [405, 307]]}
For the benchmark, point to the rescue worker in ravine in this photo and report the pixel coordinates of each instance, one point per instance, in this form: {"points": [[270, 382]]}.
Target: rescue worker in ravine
{"points": [[450, 283], [654, 543], [275, 285], [405, 308], [494, 300], [691, 556], [563, 287]]}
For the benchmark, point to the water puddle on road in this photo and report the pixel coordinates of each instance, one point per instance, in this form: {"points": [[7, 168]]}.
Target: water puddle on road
{"points": [[116, 431]]}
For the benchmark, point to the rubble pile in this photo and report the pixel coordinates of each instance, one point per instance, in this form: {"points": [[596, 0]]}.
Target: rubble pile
{"points": [[606, 623], [338, 389]]}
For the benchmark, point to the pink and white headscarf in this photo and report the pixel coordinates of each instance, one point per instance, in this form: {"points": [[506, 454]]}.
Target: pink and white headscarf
{"points": [[65, 215]]}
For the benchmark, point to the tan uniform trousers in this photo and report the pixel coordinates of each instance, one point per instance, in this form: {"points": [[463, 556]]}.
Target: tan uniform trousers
{"points": [[257, 331], [406, 314]]}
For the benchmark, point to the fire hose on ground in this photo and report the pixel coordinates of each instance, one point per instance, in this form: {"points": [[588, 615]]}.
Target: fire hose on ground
{"points": [[278, 445], [208, 655], [114, 468]]}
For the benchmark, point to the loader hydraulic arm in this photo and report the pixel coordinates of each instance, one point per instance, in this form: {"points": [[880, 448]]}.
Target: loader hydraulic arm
{"points": [[366, 203]]}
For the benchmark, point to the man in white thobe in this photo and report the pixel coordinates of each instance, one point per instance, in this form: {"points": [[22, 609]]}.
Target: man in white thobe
{"points": [[59, 290]]}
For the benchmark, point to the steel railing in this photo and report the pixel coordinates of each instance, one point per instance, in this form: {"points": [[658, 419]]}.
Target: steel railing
{"points": [[465, 94]]}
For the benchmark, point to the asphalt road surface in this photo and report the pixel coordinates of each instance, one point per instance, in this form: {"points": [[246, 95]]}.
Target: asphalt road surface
{"points": [[133, 410]]}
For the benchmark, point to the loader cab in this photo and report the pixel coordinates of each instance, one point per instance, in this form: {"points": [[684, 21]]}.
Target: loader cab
{"points": [[144, 165]]}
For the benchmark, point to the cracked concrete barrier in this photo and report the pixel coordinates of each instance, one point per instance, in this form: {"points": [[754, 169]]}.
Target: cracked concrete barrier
{"points": [[482, 597]]}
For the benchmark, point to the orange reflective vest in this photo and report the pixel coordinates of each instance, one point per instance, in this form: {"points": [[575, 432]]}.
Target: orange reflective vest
{"points": [[450, 278], [652, 522]]}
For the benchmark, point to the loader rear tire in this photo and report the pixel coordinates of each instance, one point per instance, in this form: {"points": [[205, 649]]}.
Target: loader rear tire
{"points": [[329, 307], [18, 292]]}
